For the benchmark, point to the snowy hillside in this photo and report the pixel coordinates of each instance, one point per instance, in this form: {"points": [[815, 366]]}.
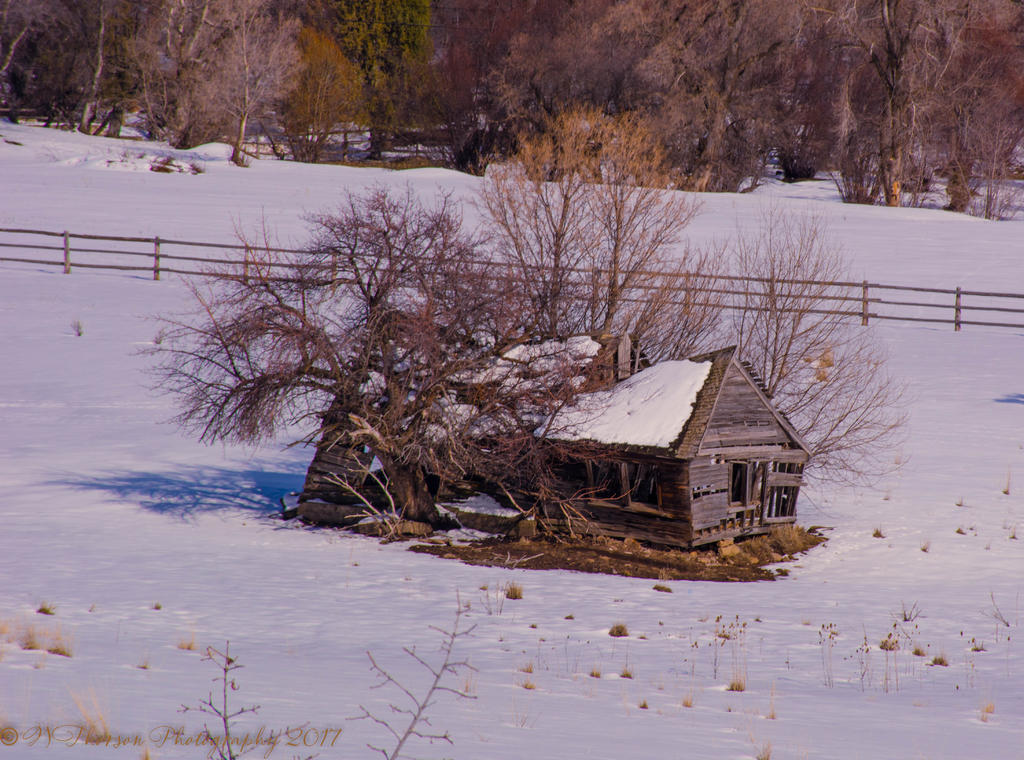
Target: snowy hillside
{"points": [[150, 547]]}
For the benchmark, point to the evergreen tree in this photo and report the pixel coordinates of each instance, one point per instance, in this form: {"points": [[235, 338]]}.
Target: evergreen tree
{"points": [[385, 39]]}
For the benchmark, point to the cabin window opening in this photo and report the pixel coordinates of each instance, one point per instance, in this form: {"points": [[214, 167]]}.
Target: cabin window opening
{"points": [[739, 483], [637, 483], [603, 480], [791, 468], [757, 482], [644, 486], [781, 501], [699, 492]]}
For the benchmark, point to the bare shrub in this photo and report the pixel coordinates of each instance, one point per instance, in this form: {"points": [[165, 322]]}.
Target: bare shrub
{"points": [[408, 720], [823, 370], [219, 706], [327, 95]]}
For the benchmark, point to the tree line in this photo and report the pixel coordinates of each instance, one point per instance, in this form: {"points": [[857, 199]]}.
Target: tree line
{"points": [[898, 99]]}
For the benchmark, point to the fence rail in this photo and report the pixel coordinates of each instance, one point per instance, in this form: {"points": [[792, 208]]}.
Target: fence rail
{"points": [[864, 301]]}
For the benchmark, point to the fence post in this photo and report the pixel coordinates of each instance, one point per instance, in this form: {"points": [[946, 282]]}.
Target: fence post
{"points": [[956, 314], [864, 313], [156, 258], [67, 253]]}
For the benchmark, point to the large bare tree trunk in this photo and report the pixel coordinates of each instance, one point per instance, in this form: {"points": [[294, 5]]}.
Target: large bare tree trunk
{"points": [[237, 154], [409, 488], [92, 101]]}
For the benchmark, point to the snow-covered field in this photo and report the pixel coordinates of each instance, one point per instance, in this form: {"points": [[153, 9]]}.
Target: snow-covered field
{"points": [[145, 542]]}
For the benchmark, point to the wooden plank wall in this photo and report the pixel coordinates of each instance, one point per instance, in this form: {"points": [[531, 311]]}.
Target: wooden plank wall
{"points": [[335, 461], [622, 523], [709, 510], [740, 417]]}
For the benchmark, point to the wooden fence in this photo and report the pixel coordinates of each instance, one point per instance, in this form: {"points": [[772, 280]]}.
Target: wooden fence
{"points": [[863, 301]]}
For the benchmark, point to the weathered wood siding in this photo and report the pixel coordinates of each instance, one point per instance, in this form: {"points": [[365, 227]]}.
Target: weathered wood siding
{"points": [[604, 519], [675, 489], [330, 463], [740, 417], [710, 509]]}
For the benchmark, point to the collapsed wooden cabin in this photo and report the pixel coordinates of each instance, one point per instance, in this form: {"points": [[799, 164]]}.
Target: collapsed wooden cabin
{"points": [[681, 453]]}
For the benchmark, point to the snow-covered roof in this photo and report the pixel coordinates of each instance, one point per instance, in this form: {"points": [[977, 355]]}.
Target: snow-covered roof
{"points": [[648, 409]]}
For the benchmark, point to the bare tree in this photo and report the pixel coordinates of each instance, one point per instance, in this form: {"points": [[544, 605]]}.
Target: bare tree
{"points": [[538, 206], [712, 66], [176, 56], [585, 217], [257, 59], [390, 337], [910, 70], [17, 18], [824, 372], [90, 106], [977, 110]]}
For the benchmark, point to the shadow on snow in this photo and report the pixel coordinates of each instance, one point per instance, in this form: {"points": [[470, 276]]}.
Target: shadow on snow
{"points": [[195, 490], [1011, 398]]}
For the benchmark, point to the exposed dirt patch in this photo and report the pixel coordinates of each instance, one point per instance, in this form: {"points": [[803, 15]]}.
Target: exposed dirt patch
{"points": [[627, 558]]}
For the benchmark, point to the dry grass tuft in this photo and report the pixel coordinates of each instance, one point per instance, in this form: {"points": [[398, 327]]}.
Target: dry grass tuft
{"points": [[527, 668], [59, 644], [618, 631], [877, 533], [528, 685], [643, 704], [30, 639], [570, 617], [926, 546], [626, 673], [662, 588], [760, 549], [940, 660], [987, 709], [890, 643], [918, 651], [791, 539], [688, 700], [189, 644], [513, 591], [157, 606], [764, 752], [93, 719], [595, 673], [737, 684], [45, 608]]}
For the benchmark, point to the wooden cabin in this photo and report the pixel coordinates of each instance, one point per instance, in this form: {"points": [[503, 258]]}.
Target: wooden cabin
{"points": [[682, 454]]}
